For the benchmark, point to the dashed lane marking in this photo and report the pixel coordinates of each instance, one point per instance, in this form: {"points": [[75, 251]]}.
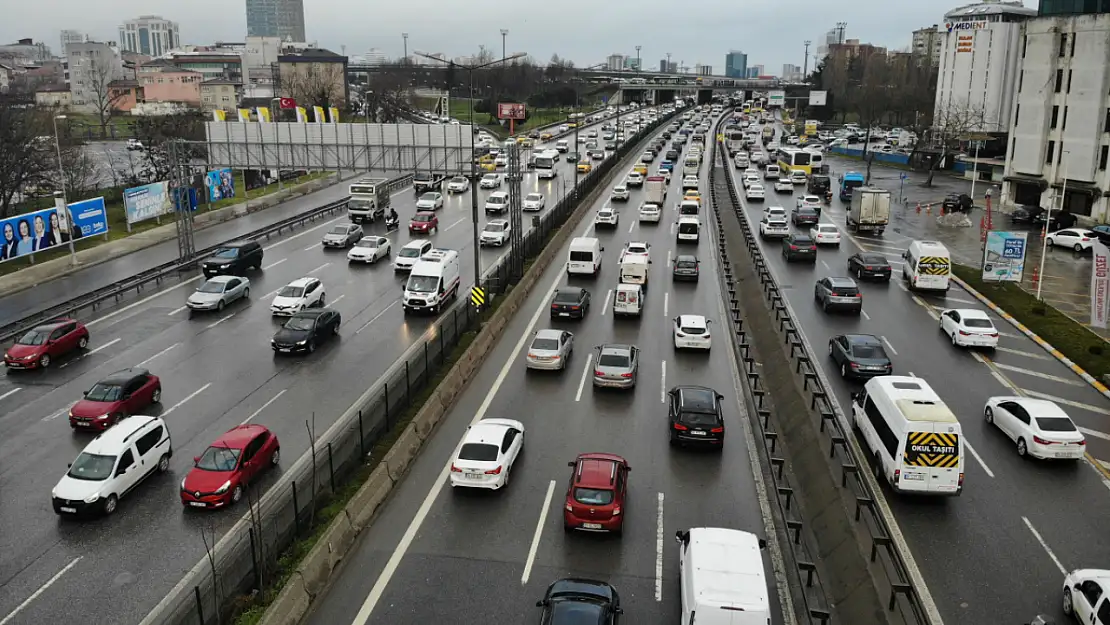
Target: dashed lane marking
{"points": [[1045, 546], [1024, 354], [1038, 374], [1068, 402]]}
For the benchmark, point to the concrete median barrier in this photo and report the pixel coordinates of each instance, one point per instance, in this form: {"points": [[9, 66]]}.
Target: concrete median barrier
{"points": [[362, 507], [401, 455], [291, 604]]}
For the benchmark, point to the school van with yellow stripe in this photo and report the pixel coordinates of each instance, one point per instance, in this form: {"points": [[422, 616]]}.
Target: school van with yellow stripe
{"points": [[927, 266], [913, 438]]}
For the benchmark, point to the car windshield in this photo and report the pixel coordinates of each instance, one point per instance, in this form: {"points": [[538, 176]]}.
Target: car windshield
{"points": [[827, 229], [428, 196], [496, 199], [422, 284], [546, 344], [419, 217], [872, 259], [368, 242], [869, 351], [978, 323], [92, 467], [534, 197], [291, 291], [458, 180], [490, 178], [212, 287], [227, 252], [339, 230], [609, 359], [104, 392], [481, 452], [566, 297], [1055, 424], [494, 227], [300, 324], [218, 459], [409, 252], [34, 337], [593, 496]]}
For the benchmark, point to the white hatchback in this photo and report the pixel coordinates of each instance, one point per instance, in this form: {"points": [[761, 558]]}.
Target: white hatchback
{"points": [[692, 332], [606, 217], [968, 327], [755, 192], [489, 449], [650, 212], [296, 296]]}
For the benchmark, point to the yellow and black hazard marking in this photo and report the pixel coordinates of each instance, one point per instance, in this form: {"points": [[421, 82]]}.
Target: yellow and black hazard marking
{"points": [[477, 296], [932, 449], [934, 266]]}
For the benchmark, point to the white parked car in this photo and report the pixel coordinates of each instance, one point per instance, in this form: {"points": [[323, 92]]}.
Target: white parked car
{"points": [[1077, 239], [485, 458], [490, 181], [968, 327], [1038, 427], [369, 250], [809, 201], [689, 182], [606, 217], [692, 332], [458, 184], [634, 179], [798, 177], [550, 350], [825, 234], [755, 192], [619, 193], [430, 201], [496, 232], [783, 185], [298, 295], [650, 212], [534, 202]]}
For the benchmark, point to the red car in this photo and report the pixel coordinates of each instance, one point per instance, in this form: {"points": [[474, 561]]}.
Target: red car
{"points": [[423, 222], [220, 474], [116, 397], [40, 346], [595, 497]]}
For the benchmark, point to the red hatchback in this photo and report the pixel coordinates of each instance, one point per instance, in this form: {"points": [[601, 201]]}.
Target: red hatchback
{"points": [[423, 222], [220, 474], [40, 346], [117, 396], [595, 497]]}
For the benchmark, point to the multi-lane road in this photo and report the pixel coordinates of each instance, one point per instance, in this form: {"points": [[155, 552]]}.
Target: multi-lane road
{"points": [[487, 557], [217, 372]]}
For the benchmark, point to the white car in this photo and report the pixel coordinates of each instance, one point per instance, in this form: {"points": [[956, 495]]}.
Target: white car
{"points": [[606, 217], [458, 184], [749, 179], [825, 234], [1078, 603], [430, 201], [968, 327], [650, 212], [689, 182], [496, 232], [741, 162], [497, 202], [798, 177], [634, 179], [534, 202], [485, 458], [410, 253], [369, 250], [550, 350], [664, 173], [635, 248], [490, 181], [783, 185], [298, 295], [1077, 239], [774, 211], [755, 192], [217, 292], [774, 227], [619, 193], [1038, 427], [692, 332], [809, 201]]}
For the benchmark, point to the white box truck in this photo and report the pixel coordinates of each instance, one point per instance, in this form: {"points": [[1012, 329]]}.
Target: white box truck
{"points": [[369, 199], [870, 210], [656, 189], [433, 282]]}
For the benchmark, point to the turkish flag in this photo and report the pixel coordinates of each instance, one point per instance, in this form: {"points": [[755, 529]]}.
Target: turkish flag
{"points": [[287, 103]]}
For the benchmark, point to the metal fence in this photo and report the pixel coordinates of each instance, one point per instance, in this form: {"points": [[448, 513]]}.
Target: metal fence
{"points": [[903, 595]]}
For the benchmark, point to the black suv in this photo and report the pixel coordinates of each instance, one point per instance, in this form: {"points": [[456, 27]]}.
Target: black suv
{"points": [[572, 601], [233, 258], [694, 416]]}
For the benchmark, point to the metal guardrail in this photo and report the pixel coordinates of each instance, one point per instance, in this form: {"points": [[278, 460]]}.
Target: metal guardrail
{"points": [[903, 595], [93, 300]]}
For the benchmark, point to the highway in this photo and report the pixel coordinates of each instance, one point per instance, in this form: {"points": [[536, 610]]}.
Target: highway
{"points": [[487, 557], [217, 372], [1015, 516]]}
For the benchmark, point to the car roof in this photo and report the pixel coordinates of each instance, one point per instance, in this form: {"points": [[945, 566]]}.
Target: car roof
{"points": [[238, 244], [687, 257], [238, 436], [841, 281], [596, 470], [222, 279], [109, 441], [124, 376], [801, 237], [301, 281], [613, 348], [53, 325], [692, 321], [694, 397], [424, 213], [577, 586], [497, 222], [311, 314], [971, 313], [489, 431], [863, 339], [417, 243], [549, 333]]}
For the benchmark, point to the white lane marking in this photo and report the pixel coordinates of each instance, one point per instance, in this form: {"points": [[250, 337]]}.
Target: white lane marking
{"points": [[114, 314], [220, 320], [50, 582], [377, 316], [310, 248], [888, 345], [174, 311], [666, 300], [605, 306], [668, 258], [54, 415], [949, 298], [11, 392], [1089, 432], [159, 354], [1040, 540], [911, 374], [631, 226], [672, 228], [865, 315], [1068, 402], [191, 395], [975, 455], [318, 268], [658, 550], [585, 372], [454, 224], [826, 266], [536, 536], [104, 346], [1024, 354], [663, 386], [1004, 381], [264, 406], [422, 513], [274, 264], [1038, 374], [336, 300]]}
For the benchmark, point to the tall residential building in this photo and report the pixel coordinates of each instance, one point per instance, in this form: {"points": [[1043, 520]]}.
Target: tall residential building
{"points": [[736, 64], [70, 36], [150, 35], [276, 18], [89, 67], [668, 67], [615, 62], [792, 73], [927, 44], [834, 36], [704, 70]]}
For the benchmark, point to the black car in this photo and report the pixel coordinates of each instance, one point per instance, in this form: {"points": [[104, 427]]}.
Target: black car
{"points": [[804, 216], [569, 302], [578, 601], [869, 266], [859, 356], [685, 267], [234, 259], [1028, 215], [305, 330], [801, 246], [956, 202], [666, 135], [818, 184], [694, 416], [672, 155]]}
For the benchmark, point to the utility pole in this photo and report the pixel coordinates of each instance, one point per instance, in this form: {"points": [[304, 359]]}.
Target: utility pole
{"points": [[805, 60], [669, 63], [638, 59], [504, 34], [405, 59]]}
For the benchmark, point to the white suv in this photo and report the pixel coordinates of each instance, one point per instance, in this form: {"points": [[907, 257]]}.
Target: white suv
{"points": [[496, 233], [112, 465], [410, 253], [497, 202], [634, 179], [298, 295]]}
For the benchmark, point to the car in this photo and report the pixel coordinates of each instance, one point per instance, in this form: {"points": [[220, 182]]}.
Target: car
{"points": [[838, 293], [596, 495], [342, 235], [490, 181], [664, 173], [650, 212], [41, 345], [647, 157], [225, 470], [685, 267], [953, 202], [619, 193], [773, 227], [486, 166], [584, 167], [1039, 428], [534, 202], [694, 416], [749, 179], [135, 144], [796, 246], [606, 217], [233, 258], [691, 332], [783, 185], [410, 253], [867, 265], [431, 200], [671, 155], [217, 292], [424, 222], [741, 161], [634, 179], [597, 154], [636, 248], [496, 232], [550, 350], [570, 302], [306, 329], [859, 356], [968, 327], [592, 134], [755, 192], [487, 453], [1084, 596], [370, 249], [298, 295], [689, 182], [501, 160], [616, 366], [825, 234], [1026, 214], [809, 201], [1078, 239], [804, 216], [114, 398], [798, 177]]}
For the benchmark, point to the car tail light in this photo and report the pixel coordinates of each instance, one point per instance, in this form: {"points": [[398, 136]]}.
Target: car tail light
{"points": [[961, 482], [599, 372], [1082, 442], [898, 476], [574, 307], [626, 375], [793, 247], [962, 333], [1040, 441], [568, 507], [617, 511], [555, 306], [1085, 239], [993, 335], [680, 427], [854, 365], [719, 430], [680, 335], [496, 471], [455, 469]]}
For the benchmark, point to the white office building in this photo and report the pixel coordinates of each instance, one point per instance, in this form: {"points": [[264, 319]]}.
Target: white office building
{"points": [[150, 35], [615, 62]]}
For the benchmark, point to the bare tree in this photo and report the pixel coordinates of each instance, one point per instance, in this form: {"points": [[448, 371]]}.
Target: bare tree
{"points": [[98, 74], [80, 172], [26, 158], [954, 123], [315, 84]]}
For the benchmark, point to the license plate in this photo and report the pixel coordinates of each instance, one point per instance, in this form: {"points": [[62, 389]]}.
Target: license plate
{"points": [[698, 433], [564, 314], [196, 504], [69, 510], [283, 349], [592, 526], [913, 477], [472, 476], [1063, 454], [83, 424]]}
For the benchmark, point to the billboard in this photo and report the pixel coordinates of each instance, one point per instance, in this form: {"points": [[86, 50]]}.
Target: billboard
{"points": [[147, 201], [23, 235], [1100, 284], [776, 98], [818, 98], [1004, 256], [509, 110], [220, 183]]}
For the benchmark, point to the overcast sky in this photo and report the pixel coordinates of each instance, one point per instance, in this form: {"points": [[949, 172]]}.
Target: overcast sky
{"points": [[586, 31]]}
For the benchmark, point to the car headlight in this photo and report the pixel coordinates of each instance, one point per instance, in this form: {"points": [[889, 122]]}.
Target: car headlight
{"points": [[103, 417], [183, 483], [302, 343], [223, 487], [92, 498]]}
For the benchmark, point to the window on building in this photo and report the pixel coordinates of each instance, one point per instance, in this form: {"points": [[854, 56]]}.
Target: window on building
{"points": [[1064, 122], [1103, 154], [1055, 116], [1106, 121], [1069, 82], [1059, 80], [1063, 44], [1073, 36], [1024, 45], [1017, 113], [1021, 80], [1050, 153]]}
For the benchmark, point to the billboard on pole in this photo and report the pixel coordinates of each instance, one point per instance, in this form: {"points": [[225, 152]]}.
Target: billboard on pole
{"points": [[148, 201], [1100, 284], [818, 98], [1004, 256], [510, 110], [776, 98]]}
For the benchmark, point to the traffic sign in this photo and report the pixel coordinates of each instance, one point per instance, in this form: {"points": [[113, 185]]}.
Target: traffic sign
{"points": [[903, 175], [477, 297]]}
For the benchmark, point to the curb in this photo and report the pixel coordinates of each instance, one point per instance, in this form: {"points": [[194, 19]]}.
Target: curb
{"points": [[1076, 369]]}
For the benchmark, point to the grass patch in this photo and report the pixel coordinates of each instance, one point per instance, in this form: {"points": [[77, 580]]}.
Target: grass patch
{"points": [[1073, 339]]}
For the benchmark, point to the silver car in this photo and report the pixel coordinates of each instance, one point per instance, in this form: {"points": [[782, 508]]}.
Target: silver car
{"points": [[550, 350], [217, 292], [616, 366], [343, 235]]}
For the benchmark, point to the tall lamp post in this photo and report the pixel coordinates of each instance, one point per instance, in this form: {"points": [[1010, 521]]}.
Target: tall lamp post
{"points": [[469, 69], [805, 60], [504, 33], [405, 59], [1048, 222], [62, 182]]}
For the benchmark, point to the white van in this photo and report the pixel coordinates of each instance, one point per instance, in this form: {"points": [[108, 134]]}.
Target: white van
{"points": [[562, 146], [913, 437], [634, 270], [927, 265], [585, 256], [433, 282], [497, 202], [772, 172], [688, 230], [721, 578], [690, 165], [628, 299]]}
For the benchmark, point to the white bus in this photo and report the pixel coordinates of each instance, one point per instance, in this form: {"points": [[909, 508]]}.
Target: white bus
{"points": [[735, 141], [545, 164], [691, 165]]}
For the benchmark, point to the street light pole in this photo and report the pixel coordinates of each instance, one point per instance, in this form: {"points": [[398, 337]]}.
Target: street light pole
{"points": [[1048, 224], [805, 60], [62, 182], [504, 33], [638, 70], [405, 59]]}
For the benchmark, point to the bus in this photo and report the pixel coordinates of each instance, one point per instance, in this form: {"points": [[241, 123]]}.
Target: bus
{"points": [[793, 159], [545, 164], [849, 180], [735, 141], [747, 107]]}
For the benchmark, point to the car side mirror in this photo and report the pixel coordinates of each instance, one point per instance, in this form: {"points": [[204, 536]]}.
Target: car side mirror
{"points": [[69, 465], [541, 603], [571, 463], [196, 459], [762, 543], [855, 396], [84, 393], [602, 249]]}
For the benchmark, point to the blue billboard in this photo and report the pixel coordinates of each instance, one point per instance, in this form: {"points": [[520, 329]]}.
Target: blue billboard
{"points": [[146, 201], [23, 235], [220, 183]]}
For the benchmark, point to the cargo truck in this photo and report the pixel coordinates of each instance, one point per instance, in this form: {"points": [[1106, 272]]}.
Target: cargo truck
{"points": [[369, 199], [870, 210], [424, 181], [656, 189]]}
